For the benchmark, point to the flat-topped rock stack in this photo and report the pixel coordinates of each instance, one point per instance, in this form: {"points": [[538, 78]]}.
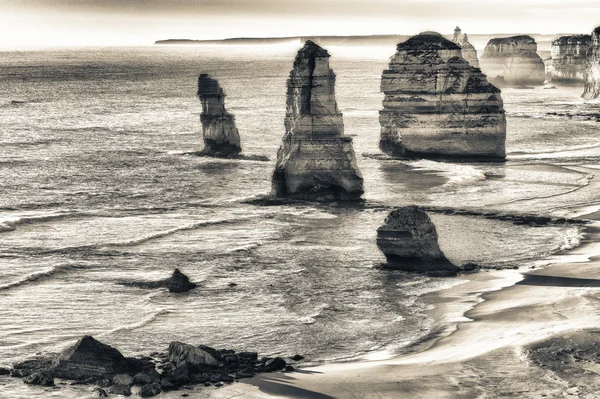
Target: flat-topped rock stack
{"points": [[592, 72], [468, 51], [315, 161], [221, 137], [437, 105], [513, 61], [569, 59]]}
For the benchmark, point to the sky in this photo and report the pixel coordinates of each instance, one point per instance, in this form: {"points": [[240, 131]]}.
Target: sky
{"points": [[138, 22]]}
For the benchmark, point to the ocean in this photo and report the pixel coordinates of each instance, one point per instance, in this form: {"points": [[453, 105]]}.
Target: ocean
{"points": [[98, 188]]}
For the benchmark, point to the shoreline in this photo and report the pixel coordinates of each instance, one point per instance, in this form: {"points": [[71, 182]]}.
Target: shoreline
{"points": [[482, 329]]}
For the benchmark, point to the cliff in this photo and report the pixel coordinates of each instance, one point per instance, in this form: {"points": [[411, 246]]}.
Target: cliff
{"points": [[221, 137], [468, 51], [409, 241], [437, 105], [315, 161], [569, 58], [592, 72], [513, 61]]}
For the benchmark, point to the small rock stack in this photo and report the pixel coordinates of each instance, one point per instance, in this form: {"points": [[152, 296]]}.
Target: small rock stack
{"points": [[592, 73], [468, 50]]}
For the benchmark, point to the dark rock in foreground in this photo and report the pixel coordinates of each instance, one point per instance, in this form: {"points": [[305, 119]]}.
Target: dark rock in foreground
{"points": [[178, 283], [409, 241]]}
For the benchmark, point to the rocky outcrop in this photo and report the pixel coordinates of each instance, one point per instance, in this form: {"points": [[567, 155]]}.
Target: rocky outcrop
{"points": [[468, 51], [569, 59], [315, 161], [221, 137], [513, 61], [178, 283], [437, 105], [592, 72], [181, 354], [409, 241]]}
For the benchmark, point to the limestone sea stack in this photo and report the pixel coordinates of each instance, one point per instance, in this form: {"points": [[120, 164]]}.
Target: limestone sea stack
{"points": [[437, 105], [315, 161], [513, 61], [221, 137], [468, 51], [592, 73], [569, 59], [409, 241]]}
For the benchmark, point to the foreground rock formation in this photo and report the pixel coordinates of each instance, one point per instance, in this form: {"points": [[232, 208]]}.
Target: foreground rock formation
{"points": [[436, 104], [315, 161], [92, 362], [513, 61], [221, 137], [409, 241], [569, 59], [178, 283], [592, 73], [468, 51]]}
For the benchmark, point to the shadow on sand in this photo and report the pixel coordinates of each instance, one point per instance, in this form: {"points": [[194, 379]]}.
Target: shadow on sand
{"points": [[554, 281]]}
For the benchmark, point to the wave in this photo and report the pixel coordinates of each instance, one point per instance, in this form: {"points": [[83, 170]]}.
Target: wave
{"points": [[10, 223], [40, 276], [140, 324], [457, 174]]}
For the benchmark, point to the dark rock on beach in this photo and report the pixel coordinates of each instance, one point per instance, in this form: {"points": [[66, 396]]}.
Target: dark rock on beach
{"points": [[177, 283], [124, 390], [42, 379], [150, 390]]}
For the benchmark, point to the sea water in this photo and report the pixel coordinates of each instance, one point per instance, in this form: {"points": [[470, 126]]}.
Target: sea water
{"points": [[96, 188]]}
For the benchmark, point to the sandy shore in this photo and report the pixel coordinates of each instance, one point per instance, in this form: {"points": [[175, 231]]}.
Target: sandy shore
{"points": [[521, 334]]}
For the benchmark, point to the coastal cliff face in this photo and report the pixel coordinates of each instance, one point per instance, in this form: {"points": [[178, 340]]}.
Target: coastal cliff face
{"points": [[221, 137], [569, 58], [468, 51], [437, 105], [592, 73], [513, 61], [409, 241], [315, 161]]}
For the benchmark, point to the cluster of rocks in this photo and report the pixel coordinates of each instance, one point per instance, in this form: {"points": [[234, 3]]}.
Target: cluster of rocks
{"points": [[437, 104], [569, 58], [92, 362], [592, 72], [513, 61]]}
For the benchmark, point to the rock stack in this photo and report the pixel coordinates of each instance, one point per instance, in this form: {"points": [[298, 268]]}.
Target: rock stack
{"points": [[437, 105], [315, 161], [409, 241], [221, 137], [513, 61], [592, 73], [468, 51], [569, 59]]}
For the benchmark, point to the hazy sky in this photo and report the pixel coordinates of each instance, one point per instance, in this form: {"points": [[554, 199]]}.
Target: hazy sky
{"points": [[113, 22]]}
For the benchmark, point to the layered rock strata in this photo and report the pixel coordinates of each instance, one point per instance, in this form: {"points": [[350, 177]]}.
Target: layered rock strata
{"points": [[513, 61], [221, 137], [592, 72], [437, 105], [468, 51], [569, 59], [409, 241], [315, 161]]}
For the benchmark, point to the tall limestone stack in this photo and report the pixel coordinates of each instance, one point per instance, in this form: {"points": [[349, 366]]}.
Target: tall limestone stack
{"points": [[437, 105], [569, 58], [315, 161], [592, 73], [221, 137], [513, 61], [468, 51]]}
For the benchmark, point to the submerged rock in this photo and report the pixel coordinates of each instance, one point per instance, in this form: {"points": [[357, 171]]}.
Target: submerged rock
{"points": [[569, 59], [513, 61], [468, 50], [315, 161], [438, 105], [178, 283], [409, 241], [592, 72], [221, 137]]}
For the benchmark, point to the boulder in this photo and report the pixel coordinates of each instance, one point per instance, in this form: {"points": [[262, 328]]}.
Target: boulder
{"points": [[315, 161], [146, 377], [221, 137], [409, 241], [177, 283], [122, 379], [150, 390], [275, 364], [437, 105], [181, 354], [38, 364], [99, 392], [513, 61], [569, 59], [468, 50], [592, 72], [123, 390], [42, 379]]}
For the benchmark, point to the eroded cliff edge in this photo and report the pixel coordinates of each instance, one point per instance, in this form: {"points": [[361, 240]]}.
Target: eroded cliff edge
{"points": [[437, 105], [592, 72]]}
